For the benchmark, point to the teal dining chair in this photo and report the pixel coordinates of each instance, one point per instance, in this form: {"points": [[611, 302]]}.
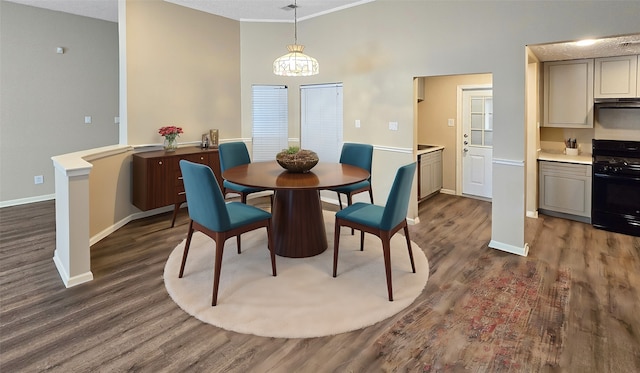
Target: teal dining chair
{"points": [[359, 155], [211, 215], [381, 221], [234, 154]]}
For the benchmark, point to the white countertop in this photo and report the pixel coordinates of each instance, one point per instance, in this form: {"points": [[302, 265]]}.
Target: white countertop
{"points": [[559, 156], [430, 150]]}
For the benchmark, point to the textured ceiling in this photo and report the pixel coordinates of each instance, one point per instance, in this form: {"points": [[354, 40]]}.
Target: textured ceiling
{"points": [[614, 46], [241, 10]]}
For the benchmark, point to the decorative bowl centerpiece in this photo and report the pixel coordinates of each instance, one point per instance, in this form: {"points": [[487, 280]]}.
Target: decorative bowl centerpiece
{"points": [[297, 160]]}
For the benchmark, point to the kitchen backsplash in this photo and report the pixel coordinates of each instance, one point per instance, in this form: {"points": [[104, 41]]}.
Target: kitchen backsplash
{"points": [[610, 124]]}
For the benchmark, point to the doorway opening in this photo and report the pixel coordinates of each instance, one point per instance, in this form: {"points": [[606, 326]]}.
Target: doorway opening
{"points": [[440, 122]]}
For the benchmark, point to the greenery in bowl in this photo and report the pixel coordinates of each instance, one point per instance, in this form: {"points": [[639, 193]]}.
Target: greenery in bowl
{"points": [[294, 159]]}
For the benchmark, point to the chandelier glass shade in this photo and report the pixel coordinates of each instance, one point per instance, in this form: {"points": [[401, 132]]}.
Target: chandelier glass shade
{"points": [[295, 63]]}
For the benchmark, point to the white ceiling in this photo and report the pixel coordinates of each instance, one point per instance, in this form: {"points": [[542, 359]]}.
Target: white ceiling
{"points": [[278, 11], [241, 10]]}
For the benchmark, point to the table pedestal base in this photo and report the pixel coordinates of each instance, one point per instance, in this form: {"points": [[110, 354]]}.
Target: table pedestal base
{"points": [[298, 224]]}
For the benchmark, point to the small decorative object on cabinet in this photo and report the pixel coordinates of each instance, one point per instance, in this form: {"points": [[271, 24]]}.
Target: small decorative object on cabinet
{"points": [[213, 138], [297, 160], [170, 134], [157, 181]]}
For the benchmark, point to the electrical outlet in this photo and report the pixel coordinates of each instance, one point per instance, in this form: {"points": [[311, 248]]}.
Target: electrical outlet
{"points": [[357, 123], [393, 126], [39, 179], [87, 120], [451, 122]]}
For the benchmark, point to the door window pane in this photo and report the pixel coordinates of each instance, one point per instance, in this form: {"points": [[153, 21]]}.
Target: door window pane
{"points": [[488, 138], [476, 137]]}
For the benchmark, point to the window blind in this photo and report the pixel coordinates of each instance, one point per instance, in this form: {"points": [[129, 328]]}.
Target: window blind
{"points": [[321, 120], [270, 121]]}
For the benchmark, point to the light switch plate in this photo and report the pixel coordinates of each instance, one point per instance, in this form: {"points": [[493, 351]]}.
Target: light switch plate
{"points": [[357, 123], [87, 120], [451, 122], [393, 126]]}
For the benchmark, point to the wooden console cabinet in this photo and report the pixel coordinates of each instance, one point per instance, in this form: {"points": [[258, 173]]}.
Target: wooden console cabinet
{"points": [[157, 180]]}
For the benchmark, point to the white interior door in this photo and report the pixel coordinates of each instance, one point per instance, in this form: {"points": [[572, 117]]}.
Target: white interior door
{"points": [[477, 142]]}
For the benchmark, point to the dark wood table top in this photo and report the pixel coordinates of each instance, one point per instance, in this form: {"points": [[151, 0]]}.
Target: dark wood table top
{"points": [[271, 175]]}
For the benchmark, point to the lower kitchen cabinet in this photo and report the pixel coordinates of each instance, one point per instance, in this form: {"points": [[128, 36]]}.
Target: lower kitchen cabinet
{"points": [[565, 190], [429, 174]]}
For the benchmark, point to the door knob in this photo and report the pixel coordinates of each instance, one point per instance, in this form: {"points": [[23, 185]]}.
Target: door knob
{"points": [[466, 143], [465, 150], [465, 135]]}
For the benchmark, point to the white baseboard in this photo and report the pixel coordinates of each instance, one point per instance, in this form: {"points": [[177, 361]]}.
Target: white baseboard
{"points": [[523, 251], [24, 201], [70, 281], [448, 191], [138, 215], [532, 214]]}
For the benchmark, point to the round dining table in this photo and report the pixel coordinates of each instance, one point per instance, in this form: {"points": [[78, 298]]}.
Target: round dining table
{"points": [[297, 221]]}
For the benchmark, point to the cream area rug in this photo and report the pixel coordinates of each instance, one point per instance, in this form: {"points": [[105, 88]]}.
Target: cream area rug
{"points": [[304, 300]]}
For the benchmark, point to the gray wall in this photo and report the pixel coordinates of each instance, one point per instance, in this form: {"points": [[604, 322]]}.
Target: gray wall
{"points": [[44, 96]]}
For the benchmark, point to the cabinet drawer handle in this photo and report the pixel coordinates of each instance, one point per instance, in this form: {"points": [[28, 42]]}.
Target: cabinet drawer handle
{"points": [[202, 158], [179, 177], [159, 162], [181, 193]]}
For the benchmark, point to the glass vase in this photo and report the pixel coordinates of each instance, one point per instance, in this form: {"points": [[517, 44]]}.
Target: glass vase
{"points": [[170, 144]]}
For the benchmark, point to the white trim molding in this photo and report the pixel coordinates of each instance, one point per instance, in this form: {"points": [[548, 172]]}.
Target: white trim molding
{"points": [[522, 251], [24, 201], [393, 149]]}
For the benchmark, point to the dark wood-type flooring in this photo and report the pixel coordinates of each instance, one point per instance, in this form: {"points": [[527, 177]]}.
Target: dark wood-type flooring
{"points": [[124, 320]]}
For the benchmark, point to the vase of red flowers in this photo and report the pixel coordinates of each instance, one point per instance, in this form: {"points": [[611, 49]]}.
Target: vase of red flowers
{"points": [[170, 134]]}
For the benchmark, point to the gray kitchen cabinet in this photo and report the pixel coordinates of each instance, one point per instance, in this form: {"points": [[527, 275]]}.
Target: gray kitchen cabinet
{"points": [[617, 77], [568, 94], [430, 174], [565, 190]]}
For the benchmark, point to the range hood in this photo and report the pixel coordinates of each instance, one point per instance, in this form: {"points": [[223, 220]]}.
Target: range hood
{"points": [[615, 103]]}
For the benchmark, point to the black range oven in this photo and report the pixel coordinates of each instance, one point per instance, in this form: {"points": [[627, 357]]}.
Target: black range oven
{"points": [[615, 201]]}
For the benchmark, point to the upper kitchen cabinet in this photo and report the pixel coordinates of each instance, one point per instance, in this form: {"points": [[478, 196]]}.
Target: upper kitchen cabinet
{"points": [[568, 94], [617, 77]]}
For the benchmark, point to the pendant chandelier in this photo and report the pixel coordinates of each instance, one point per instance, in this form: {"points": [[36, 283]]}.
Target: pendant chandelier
{"points": [[295, 63]]}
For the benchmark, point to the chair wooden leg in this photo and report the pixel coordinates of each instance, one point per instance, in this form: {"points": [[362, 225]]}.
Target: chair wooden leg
{"points": [[386, 251], [361, 240], [217, 267], [406, 234], [238, 243], [349, 203], [186, 249], [336, 244], [272, 249], [339, 201], [243, 198], [371, 195], [176, 208]]}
